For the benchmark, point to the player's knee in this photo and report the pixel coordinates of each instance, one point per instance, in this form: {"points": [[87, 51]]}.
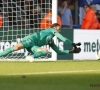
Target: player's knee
{"points": [[43, 49], [18, 47]]}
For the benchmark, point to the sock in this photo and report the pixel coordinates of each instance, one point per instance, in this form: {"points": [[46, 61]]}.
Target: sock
{"points": [[7, 51], [38, 54]]}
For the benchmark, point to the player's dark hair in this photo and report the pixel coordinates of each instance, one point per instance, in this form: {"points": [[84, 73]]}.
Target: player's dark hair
{"points": [[54, 25]]}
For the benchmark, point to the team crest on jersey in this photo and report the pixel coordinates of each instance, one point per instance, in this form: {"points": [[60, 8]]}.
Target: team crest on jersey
{"points": [[49, 40]]}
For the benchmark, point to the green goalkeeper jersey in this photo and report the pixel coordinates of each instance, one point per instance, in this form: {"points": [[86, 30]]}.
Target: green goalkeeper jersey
{"points": [[45, 37]]}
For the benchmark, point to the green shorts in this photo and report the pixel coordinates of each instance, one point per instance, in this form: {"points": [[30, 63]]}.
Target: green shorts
{"points": [[30, 45], [27, 43], [33, 49]]}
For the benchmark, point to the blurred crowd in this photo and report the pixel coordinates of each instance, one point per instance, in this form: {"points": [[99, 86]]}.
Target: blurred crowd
{"points": [[38, 14], [22, 12]]}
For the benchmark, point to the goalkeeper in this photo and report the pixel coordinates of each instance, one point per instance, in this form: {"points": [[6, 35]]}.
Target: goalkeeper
{"points": [[33, 43]]}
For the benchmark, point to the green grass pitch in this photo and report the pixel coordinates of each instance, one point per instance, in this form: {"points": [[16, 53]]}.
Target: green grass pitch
{"points": [[58, 75]]}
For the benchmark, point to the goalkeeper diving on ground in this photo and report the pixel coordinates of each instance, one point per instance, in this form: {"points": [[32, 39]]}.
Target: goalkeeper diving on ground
{"points": [[33, 43]]}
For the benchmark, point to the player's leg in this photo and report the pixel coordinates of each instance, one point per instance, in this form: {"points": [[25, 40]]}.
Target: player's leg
{"points": [[11, 49], [25, 43], [38, 52]]}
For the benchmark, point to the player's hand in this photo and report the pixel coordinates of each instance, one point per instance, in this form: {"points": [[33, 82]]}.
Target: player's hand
{"points": [[76, 44], [77, 50]]}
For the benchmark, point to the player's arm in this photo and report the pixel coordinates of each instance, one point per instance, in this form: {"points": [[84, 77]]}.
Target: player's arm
{"points": [[66, 40], [56, 49]]}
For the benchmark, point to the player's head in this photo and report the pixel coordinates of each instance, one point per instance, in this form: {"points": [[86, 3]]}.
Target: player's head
{"points": [[86, 7], [56, 26]]}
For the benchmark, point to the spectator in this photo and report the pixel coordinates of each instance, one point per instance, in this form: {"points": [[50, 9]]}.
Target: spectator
{"points": [[16, 13], [34, 14], [1, 20], [94, 8], [97, 14], [45, 4], [21, 3], [1, 3], [47, 20], [66, 15], [90, 19]]}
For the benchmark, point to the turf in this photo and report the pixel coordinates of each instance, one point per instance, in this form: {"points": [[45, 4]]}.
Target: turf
{"points": [[59, 75]]}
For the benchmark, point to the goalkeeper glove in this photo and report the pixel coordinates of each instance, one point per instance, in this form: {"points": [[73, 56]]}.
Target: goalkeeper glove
{"points": [[76, 44]]}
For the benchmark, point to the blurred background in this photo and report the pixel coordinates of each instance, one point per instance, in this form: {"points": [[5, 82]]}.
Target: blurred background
{"points": [[21, 12]]}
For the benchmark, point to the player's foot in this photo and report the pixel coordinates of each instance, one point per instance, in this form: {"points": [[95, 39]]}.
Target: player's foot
{"points": [[75, 50]]}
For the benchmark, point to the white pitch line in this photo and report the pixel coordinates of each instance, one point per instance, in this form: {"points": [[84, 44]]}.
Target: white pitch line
{"points": [[55, 72]]}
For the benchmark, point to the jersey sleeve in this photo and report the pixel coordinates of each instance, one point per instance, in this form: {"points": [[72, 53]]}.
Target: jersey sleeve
{"points": [[54, 31], [58, 35], [56, 49], [64, 39]]}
